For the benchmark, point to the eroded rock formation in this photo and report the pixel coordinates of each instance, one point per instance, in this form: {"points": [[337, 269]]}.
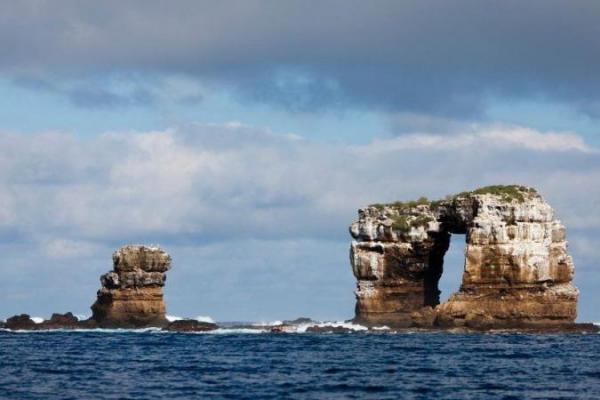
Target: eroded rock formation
{"points": [[517, 270], [132, 294]]}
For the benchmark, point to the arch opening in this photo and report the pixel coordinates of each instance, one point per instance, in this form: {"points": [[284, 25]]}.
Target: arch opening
{"points": [[453, 267]]}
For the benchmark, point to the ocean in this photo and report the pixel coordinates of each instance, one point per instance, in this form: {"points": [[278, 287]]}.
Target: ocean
{"points": [[232, 364]]}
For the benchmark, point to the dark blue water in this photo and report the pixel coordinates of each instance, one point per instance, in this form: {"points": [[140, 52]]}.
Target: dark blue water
{"points": [[148, 365]]}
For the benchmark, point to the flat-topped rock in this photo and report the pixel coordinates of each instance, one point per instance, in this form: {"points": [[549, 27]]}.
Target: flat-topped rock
{"points": [[517, 269]]}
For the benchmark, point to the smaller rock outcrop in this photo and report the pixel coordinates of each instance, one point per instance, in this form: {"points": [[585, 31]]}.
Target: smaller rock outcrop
{"points": [[20, 322], [62, 321], [131, 295], [24, 322], [190, 325]]}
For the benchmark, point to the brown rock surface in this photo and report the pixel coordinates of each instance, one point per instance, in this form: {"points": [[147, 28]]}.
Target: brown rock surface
{"points": [[62, 321], [20, 322], [517, 270], [190, 325], [131, 295], [328, 329]]}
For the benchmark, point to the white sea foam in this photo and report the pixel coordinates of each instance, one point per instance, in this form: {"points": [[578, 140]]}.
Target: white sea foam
{"points": [[204, 318], [336, 324], [262, 327], [270, 323], [98, 330], [199, 318], [381, 328], [37, 320], [225, 331]]}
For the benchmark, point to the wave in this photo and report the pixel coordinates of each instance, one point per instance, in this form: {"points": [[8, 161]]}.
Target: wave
{"points": [[93, 330], [205, 318], [199, 318], [225, 331], [252, 328], [271, 323], [337, 324]]}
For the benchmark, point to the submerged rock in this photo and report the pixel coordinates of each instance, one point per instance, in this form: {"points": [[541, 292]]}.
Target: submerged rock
{"points": [[131, 295], [517, 270], [190, 325]]}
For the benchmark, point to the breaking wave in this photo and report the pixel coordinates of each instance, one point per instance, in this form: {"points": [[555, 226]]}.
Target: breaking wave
{"points": [[337, 324], [91, 330], [251, 328], [270, 323], [199, 318]]}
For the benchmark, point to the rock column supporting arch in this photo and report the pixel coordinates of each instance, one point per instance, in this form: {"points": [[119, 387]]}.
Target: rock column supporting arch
{"points": [[517, 271]]}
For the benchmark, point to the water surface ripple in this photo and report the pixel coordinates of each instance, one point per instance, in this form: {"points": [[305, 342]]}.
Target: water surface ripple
{"points": [[151, 365]]}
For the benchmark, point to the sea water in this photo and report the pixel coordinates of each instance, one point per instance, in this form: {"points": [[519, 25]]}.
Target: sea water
{"points": [[150, 364]]}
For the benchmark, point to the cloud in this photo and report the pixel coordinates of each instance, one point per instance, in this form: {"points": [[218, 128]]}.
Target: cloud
{"points": [[96, 94], [413, 56], [242, 208], [483, 136], [65, 248], [209, 182]]}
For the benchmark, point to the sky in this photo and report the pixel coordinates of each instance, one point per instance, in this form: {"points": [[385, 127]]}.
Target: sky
{"points": [[242, 137]]}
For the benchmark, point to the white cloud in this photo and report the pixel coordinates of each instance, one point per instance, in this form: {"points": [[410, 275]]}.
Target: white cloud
{"points": [[483, 137], [66, 248], [211, 181]]}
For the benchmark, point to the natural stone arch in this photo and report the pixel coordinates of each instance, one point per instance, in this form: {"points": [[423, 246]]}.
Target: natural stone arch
{"points": [[517, 270]]}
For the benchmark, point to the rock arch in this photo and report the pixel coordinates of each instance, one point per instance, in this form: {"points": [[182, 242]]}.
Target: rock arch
{"points": [[517, 270]]}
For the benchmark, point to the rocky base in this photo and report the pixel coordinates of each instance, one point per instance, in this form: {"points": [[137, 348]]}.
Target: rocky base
{"points": [[130, 308], [23, 322]]}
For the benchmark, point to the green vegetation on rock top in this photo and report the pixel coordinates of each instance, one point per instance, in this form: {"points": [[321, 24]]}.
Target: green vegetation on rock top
{"points": [[505, 192], [403, 222], [403, 204]]}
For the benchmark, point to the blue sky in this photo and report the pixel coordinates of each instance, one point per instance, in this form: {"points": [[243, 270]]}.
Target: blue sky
{"points": [[242, 136]]}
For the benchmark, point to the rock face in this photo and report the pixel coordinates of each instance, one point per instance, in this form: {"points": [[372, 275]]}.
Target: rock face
{"points": [[517, 270], [20, 322], [190, 325], [131, 295]]}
